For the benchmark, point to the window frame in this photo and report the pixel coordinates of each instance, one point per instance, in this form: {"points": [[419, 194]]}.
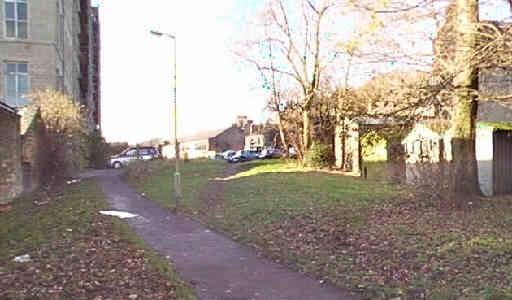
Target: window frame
{"points": [[15, 20], [16, 76]]}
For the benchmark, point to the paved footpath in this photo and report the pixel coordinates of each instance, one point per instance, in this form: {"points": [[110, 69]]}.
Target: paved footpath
{"points": [[220, 268]]}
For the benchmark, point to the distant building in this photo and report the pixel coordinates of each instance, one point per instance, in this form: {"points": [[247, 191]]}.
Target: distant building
{"points": [[243, 134], [207, 143], [260, 136]]}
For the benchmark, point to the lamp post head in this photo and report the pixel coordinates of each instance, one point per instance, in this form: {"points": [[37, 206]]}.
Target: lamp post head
{"points": [[158, 33]]}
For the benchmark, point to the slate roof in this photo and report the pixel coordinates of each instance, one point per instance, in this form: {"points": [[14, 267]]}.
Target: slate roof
{"points": [[202, 135]]}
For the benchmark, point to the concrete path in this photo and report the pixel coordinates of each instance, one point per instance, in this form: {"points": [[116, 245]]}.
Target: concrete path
{"points": [[220, 268]]}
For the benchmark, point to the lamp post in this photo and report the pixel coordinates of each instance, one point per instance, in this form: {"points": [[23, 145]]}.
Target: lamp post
{"points": [[177, 177]]}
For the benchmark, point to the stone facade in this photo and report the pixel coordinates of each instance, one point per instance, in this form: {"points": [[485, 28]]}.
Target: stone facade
{"points": [[90, 61], [424, 145], [52, 50], [261, 137], [43, 49], [232, 138], [33, 149], [51, 53], [10, 151]]}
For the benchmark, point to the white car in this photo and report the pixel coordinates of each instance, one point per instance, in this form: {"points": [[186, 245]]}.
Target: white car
{"points": [[227, 154], [132, 154]]}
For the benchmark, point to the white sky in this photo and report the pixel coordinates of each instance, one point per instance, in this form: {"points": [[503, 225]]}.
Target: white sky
{"points": [[137, 68], [212, 90]]}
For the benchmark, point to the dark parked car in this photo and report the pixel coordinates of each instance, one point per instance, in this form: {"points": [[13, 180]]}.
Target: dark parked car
{"points": [[132, 154], [270, 153]]}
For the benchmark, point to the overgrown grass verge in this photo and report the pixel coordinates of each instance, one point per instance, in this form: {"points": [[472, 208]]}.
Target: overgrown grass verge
{"points": [[363, 235], [76, 253]]}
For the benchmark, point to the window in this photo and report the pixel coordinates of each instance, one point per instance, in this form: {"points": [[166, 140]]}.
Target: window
{"points": [[131, 152], [15, 13], [16, 77], [201, 147], [144, 151]]}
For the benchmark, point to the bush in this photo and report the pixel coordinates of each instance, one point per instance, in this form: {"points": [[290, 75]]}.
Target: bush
{"points": [[96, 150], [63, 130], [319, 155]]}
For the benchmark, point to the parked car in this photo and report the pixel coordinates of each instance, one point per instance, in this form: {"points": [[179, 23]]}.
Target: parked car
{"points": [[243, 155], [227, 154], [132, 154], [239, 156], [253, 154], [270, 153]]}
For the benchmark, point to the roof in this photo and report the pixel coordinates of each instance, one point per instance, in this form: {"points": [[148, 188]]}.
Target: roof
{"points": [[203, 135], [6, 107]]}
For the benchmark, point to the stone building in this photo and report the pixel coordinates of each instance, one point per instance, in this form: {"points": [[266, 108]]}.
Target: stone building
{"points": [[493, 149], [261, 136], [90, 62], [10, 152], [49, 44]]}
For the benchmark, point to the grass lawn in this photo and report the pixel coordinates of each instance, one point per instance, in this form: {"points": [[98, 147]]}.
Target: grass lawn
{"points": [[155, 179], [76, 253], [363, 235]]}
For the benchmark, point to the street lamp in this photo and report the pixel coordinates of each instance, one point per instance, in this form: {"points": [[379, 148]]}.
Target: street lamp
{"points": [[177, 179]]}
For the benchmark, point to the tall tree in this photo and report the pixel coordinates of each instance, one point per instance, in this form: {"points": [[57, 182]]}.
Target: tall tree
{"points": [[295, 36], [465, 105]]}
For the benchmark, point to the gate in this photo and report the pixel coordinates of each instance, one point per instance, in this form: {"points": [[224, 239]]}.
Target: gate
{"points": [[502, 162]]}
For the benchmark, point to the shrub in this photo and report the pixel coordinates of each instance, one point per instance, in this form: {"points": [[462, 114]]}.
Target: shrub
{"points": [[96, 150], [63, 128], [319, 155]]}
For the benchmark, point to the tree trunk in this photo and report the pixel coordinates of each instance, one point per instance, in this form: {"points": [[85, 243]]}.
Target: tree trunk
{"points": [[306, 133], [281, 132], [463, 143]]}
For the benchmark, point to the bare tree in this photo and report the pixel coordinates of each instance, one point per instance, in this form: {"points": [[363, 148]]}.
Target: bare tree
{"points": [[295, 36]]}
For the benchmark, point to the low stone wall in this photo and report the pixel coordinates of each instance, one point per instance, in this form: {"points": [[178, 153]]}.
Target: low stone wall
{"points": [[10, 156], [32, 148]]}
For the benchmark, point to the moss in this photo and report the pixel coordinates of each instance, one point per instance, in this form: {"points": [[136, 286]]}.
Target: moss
{"points": [[496, 125]]}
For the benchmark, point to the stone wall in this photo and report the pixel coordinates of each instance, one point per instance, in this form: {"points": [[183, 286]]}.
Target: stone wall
{"points": [[10, 162], [32, 148], [347, 146]]}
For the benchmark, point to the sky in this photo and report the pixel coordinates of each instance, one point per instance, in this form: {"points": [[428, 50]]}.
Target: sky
{"points": [[137, 67]]}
